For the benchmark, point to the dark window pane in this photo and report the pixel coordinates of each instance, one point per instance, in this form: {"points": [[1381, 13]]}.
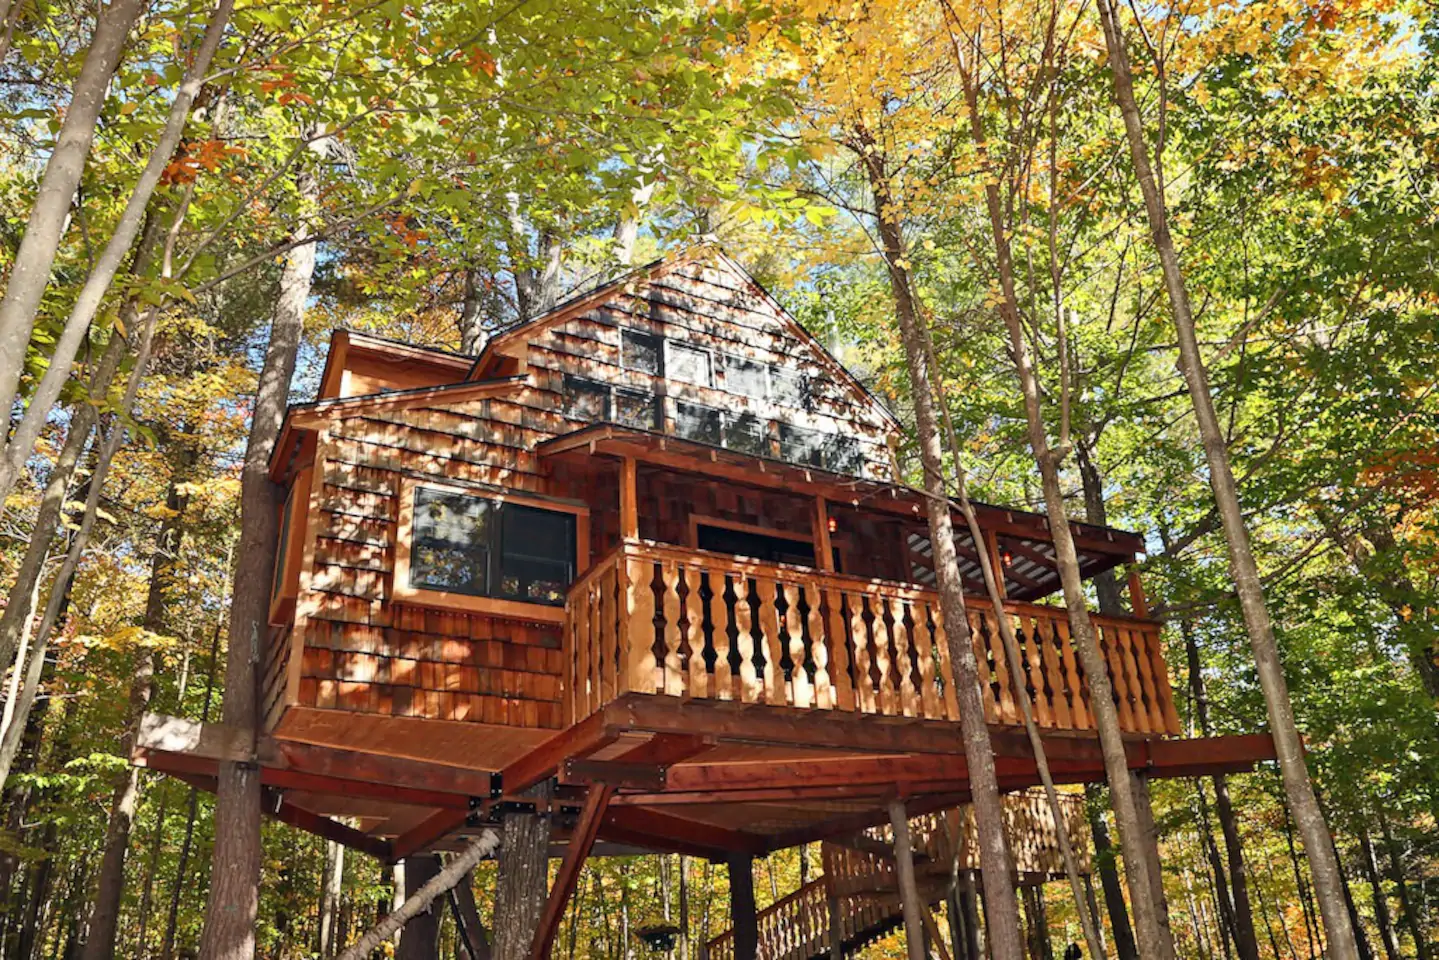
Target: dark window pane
{"points": [[746, 433], [694, 421], [537, 556], [843, 455], [745, 377], [641, 410], [798, 445], [789, 388], [640, 351], [284, 551], [586, 400], [450, 542], [687, 364]]}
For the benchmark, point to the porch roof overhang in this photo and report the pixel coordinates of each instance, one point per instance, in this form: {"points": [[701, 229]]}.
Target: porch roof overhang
{"points": [[1031, 570]]}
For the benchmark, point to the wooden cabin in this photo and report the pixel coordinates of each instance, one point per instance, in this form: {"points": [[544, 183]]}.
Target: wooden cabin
{"points": [[652, 547]]}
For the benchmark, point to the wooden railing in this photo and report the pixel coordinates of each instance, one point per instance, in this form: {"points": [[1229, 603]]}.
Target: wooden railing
{"points": [[860, 885], [654, 618]]}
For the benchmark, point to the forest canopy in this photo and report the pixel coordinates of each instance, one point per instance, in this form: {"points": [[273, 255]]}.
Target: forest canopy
{"points": [[1165, 267]]}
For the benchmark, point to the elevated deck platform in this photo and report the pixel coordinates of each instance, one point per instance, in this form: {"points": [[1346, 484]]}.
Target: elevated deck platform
{"points": [[706, 778]]}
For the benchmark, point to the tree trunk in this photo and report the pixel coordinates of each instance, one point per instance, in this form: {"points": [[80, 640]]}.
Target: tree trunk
{"points": [[1040, 947], [1406, 905], [45, 227], [1245, 572], [421, 937], [522, 886], [1104, 859], [105, 917], [996, 865], [742, 908], [97, 284], [331, 890], [1146, 898], [911, 905], [233, 904], [1376, 890], [458, 867]]}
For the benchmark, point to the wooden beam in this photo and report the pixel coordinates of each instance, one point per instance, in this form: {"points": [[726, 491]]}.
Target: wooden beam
{"points": [[581, 840], [638, 822], [327, 828], [634, 776], [213, 741], [376, 768], [580, 740], [427, 833]]}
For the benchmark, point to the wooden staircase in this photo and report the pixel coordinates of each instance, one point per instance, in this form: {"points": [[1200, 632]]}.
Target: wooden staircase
{"points": [[858, 891]]}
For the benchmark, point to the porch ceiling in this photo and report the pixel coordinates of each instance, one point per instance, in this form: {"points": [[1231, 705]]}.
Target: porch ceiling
{"points": [[1024, 537]]}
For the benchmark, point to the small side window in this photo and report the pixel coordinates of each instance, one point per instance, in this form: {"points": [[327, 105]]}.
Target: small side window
{"points": [[586, 399], [683, 362], [801, 446], [790, 388], [695, 421], [635, 409], [641, 352], [745, 377]]}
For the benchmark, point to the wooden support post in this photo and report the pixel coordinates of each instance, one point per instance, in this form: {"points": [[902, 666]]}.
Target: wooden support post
{"points": [[823, 549], [909, 898], [1137, 601], [741, 904], [581, 841], [996, 561], [629, 500], [836, 923]]}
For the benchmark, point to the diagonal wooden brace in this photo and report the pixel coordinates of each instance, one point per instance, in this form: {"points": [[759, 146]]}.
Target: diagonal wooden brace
{"points": [[581, 841]]}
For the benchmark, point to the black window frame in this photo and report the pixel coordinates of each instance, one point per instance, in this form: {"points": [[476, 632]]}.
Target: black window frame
{"points": [[574, 384], [499, 559], [628, 334]]}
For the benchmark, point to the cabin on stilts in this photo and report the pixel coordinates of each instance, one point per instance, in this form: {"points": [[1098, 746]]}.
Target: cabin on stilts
{"points": [[651, 549]]}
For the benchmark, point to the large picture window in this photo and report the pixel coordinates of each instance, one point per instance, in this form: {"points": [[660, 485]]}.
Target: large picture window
{"points": [[468, 545]]}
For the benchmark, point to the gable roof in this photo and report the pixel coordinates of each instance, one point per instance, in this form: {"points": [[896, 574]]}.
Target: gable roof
{"points": [[703, 252]]}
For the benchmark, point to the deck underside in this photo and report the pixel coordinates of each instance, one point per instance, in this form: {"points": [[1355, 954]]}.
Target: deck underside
{"points": [[706, 778]]}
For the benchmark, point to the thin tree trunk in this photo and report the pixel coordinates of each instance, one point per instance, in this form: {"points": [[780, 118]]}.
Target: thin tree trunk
{"points": [[1306, 902], [909, 900], [1146, 897], [1040, 947], [1376, 890], [1245, 572], [1104, 858], [97, 284], [331, 890], [522, 886], [1406, 905], [105, 917], [458, 867], [231, 911], [172, 915], [421, 939], [45, 227], [996, 865]]}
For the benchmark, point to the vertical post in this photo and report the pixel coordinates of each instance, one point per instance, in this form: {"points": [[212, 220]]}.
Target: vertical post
{"points": [[909, 899], [1137, 602], [823, 549], [741, 905], [996, 560], [836, 924], [629, 501]]}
